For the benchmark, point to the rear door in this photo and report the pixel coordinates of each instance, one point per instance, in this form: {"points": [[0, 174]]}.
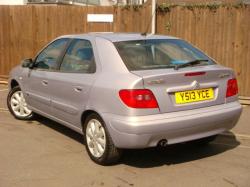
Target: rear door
{"points": [[160, 62], [72, 83]]}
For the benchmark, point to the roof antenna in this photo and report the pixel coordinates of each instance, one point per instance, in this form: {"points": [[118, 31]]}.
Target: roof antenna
{"points": [[152, 20]]}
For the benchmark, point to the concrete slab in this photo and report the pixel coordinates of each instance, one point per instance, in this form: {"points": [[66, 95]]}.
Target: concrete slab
{"points": [[243, 126], [44, 153]]}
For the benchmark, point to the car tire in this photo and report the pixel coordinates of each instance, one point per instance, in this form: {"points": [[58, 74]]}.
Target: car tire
{"points": [[17, 104], [98, 142], [204, 141]]}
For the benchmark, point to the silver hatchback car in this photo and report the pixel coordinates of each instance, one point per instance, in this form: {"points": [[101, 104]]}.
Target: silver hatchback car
{"points": [[126, 91]]}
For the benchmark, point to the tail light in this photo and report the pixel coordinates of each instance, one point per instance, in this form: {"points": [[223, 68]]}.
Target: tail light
{"points": [[232, 87], [138, 98]]}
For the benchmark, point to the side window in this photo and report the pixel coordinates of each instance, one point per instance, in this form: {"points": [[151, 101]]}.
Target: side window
{"points": [[79, 58], [47, 59]]}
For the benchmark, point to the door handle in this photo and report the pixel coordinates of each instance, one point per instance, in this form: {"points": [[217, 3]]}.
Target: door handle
{"points": [[78, 89], [44, 82]]}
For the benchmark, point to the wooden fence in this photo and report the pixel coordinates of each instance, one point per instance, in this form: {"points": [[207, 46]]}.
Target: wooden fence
{"points": [[223, 32], [25, 29]]}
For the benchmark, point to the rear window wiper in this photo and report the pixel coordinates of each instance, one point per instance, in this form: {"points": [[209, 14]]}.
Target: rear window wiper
{"points": [[191, 63]]}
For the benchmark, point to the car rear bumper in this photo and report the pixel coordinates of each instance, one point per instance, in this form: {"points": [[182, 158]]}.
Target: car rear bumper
{"points": [[176, 127]]}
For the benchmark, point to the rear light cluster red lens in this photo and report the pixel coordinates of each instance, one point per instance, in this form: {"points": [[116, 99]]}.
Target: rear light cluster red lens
{"points": [[138, 98], [232, 87]]}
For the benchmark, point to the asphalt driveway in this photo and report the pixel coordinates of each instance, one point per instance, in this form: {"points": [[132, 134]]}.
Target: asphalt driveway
{"points": [[44, 153]]}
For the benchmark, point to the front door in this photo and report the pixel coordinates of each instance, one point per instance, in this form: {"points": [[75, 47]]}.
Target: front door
{"points": [[37, 83]]}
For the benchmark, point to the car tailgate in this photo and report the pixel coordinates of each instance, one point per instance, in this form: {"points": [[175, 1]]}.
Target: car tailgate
{"points": [[187, 88]]}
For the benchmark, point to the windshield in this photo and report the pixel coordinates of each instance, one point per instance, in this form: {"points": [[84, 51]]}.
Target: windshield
{"points": [[159, 54]]}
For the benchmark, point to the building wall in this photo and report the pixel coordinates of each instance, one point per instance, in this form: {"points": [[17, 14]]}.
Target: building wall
{"points": [[12, 2]]}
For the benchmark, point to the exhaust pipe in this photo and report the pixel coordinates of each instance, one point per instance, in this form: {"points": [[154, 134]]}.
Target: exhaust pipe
{"points": [[163, 143]]}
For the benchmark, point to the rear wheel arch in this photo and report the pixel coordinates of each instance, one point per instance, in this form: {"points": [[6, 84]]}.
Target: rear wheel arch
{"points": [[111, 154], [85, 115]]}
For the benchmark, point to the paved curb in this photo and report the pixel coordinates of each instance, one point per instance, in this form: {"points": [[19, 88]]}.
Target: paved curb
{"points": [[4, 82]]}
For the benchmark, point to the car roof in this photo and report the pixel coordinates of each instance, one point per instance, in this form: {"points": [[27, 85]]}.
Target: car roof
{"points": [[116, 37]]}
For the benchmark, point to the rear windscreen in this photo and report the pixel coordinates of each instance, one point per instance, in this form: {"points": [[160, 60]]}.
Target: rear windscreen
{"points": [[158, 54]]}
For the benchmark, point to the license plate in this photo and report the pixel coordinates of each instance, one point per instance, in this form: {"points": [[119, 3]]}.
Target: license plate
{"points": [[194, 96]]}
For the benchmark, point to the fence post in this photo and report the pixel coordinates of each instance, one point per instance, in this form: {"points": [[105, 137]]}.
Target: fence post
{"points": [[153, 13]]}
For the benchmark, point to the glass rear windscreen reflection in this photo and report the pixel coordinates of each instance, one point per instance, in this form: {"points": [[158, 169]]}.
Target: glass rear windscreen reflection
{"points": [[159, 54]]}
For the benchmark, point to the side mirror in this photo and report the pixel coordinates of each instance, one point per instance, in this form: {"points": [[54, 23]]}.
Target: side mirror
{"points": [[27, 63]]}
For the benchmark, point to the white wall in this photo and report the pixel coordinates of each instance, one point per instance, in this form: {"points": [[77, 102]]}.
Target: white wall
{"points": [[12, 2]]}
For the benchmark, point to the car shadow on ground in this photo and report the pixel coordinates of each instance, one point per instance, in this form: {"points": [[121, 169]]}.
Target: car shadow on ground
{"points": [[178, 153], [59, 128], [155, 157]]}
